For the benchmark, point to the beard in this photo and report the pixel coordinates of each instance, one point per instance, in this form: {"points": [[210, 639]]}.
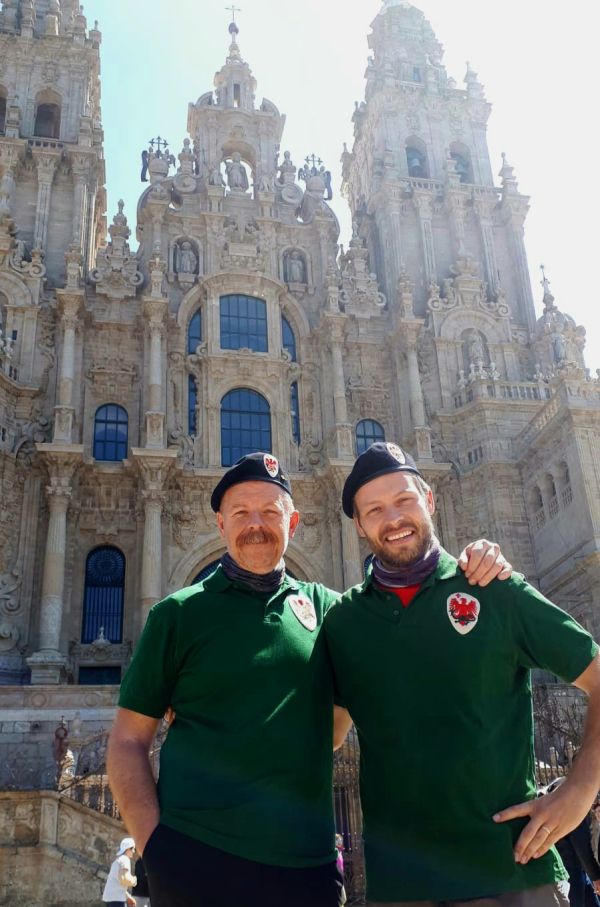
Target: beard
{"points": [[407, 554]]}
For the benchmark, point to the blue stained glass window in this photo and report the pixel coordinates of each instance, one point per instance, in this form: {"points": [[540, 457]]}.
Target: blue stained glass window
{"points": [[288, 338], [295, 412], [245, 425], [194, 333], [110, 433], [192, 403], [103, 594], [367, 432], [243, 323]]}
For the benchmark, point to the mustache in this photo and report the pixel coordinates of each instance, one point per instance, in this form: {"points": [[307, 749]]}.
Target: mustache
{"points": [[255, 537]]}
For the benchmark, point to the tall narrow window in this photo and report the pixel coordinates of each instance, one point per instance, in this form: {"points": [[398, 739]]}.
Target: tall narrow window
{"points": [[243, 323], [245, 424], [367, 432], [194, 333], [237, 94], [192, 405], [110, 433], [288, 338], [2, 113], [295, 412], [103, 595]]}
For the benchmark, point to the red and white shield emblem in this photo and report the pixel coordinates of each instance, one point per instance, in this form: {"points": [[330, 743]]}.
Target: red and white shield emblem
{"points": [[304, 610], [463, 611], [271, 465]]}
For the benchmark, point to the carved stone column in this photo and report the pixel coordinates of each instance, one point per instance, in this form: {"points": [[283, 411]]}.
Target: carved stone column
{"points": [[46, 167], [81, 175], [154, 468], [48, 663], [334, 325], [155, 311], [351, 557], [456, 211], [70, 305], [424, 208], [486, 227]]}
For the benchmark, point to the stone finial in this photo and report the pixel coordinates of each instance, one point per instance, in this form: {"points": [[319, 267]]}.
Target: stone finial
{"points": [[116, 273], [73, 263], [474, 86], [507, 175]]}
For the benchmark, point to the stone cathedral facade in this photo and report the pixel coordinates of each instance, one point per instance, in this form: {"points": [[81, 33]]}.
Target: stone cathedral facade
{"points": [[130, 379]]}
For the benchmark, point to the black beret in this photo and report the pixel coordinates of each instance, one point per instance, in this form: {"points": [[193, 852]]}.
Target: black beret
{"points": [[254, 467], [377, 460]]}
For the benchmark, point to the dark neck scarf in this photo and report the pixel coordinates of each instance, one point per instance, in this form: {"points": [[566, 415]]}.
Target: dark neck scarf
{"points": [[258, 582], [412, 574]]}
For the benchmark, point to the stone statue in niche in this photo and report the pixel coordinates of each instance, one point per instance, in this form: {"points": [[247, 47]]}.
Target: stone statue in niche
{"points": [[559, 348], [237, 177], [475, 348], [186, 260], [295, 267], [215, 177]]}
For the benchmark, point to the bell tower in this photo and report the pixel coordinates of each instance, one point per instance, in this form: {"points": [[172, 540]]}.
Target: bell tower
{"points": [[51, 140], [419, 178]]}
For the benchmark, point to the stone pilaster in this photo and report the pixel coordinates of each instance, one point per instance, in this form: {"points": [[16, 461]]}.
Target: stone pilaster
{"points": [[48, 663], [154, 468], [424, 208], [351, 557], [46, 167], [155, 310], [334, 326], [70, 304]]}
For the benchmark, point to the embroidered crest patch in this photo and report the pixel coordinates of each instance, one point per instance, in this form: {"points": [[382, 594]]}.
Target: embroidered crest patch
{"points": [[304, 610], [395, 451], [271, 465], [463, 612]]}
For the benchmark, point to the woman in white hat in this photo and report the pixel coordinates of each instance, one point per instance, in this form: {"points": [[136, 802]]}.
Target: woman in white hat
{"points": [[120, 878]]}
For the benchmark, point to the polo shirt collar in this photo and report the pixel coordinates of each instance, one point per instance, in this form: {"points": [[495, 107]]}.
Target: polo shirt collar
{"points": [[447, 568], [218, 582]]}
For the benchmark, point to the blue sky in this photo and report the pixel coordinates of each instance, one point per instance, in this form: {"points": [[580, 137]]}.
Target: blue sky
{"points": [[537, 63]]}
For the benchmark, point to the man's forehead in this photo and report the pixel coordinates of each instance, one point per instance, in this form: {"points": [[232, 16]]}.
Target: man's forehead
{"points": [[387, 485], [266, 492]]}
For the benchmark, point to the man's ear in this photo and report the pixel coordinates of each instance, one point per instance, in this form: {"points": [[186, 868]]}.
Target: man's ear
{"points": [[359, 528], [220, 526], [430, 502], [294, 520]]}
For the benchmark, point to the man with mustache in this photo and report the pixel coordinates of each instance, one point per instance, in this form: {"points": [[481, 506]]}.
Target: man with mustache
{"points": [[437, 681], [245, 786]]}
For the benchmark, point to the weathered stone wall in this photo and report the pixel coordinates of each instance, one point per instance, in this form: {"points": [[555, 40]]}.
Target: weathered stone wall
{"points": [[53, 851]]}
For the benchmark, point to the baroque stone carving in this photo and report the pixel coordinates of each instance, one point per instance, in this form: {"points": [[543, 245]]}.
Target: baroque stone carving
{"points": [[116, 273]]}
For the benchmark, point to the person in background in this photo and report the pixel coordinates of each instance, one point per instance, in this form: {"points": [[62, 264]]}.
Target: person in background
{"points": [[339, 846], [120, 877]]}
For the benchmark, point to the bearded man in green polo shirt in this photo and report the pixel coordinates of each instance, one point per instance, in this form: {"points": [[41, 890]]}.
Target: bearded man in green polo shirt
{"points": [[243, 814], [437, 681]]}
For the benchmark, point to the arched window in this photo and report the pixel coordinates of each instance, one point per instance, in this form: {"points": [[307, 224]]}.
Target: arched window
{"points": [[245, 424], [47, 115], [110, 433], [192, 405], [103, 595], [206, 571], [461, 156], [2, 111], [367, 432], [295, 412], [416, 159], [243, 323], [287, 337], [194, 333]]}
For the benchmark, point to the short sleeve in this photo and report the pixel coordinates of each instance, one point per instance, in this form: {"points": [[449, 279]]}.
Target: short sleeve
{"points": [[150, 679], [547, 637]]}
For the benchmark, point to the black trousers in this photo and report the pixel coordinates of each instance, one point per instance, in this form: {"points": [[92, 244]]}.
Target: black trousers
{"points": [[184, 872]]}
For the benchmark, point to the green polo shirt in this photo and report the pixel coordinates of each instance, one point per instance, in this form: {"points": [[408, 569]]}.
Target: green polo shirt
{"points": [[247, 764], [445, 726]]}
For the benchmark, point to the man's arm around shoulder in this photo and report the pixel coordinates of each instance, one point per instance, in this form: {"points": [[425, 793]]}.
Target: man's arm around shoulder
{"points": [[130, 775]]}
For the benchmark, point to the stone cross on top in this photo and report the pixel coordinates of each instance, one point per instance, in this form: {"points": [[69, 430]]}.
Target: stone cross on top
{"points": [[233, 10]]}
